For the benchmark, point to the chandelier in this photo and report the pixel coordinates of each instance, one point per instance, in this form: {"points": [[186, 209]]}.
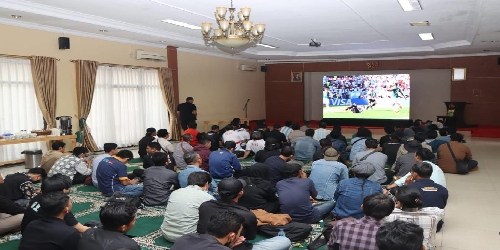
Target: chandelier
{"points": [[232, 33]]}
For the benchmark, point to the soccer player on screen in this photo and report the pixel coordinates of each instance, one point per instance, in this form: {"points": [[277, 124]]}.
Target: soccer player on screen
{"points": [[396, 107]]}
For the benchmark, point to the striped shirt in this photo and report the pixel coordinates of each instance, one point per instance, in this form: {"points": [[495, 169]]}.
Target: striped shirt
{"points": [[427, 218], [320, 133], [286, 131]]}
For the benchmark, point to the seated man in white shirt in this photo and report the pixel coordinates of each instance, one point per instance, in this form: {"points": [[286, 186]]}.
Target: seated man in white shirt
{"points": [[321, 132], [232, 135], [181, 215], [166, 146], [255, 145], [110, 149]]}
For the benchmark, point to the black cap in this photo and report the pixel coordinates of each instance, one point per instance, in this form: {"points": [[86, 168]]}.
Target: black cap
{"points": [[150, 130], [229, 188]]}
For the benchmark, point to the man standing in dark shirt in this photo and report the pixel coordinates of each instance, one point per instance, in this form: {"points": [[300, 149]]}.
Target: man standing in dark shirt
{"points": [[223, 233], [186, 112], [51, 232], [117, 218]]}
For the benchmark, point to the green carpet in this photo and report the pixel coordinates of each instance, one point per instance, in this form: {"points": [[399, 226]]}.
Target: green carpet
{"points": [[87, 201]]}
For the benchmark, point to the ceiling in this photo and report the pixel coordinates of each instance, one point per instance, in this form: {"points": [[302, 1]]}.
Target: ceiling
{"points": [[347, 29]]}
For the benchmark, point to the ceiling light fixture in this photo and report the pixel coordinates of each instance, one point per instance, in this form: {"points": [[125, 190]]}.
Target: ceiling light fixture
{"points": [[410, 5], [103, 31], [182, 24], [426, 36], [233, 33], [266, 45], [425, 23], [16, 16]]}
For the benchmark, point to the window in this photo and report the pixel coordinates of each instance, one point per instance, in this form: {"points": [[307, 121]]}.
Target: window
{"points": [[19, 108], [126, 102]]}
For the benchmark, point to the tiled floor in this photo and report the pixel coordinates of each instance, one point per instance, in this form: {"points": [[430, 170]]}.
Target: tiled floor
{"points": [[472, 220]]}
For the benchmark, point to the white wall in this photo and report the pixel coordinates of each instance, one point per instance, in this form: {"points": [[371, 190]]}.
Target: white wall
{"points": [[430, 88]]}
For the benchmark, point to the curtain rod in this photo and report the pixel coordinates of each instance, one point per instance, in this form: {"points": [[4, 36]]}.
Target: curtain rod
{"points": [[121, 65], [24, 57]]}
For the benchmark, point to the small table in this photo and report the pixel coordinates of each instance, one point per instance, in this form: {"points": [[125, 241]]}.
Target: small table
{"points": [[36, 139]]}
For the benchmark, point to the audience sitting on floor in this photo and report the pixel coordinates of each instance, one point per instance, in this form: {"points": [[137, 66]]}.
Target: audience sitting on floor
{"points": [[306, 146], [215, 137], [296, 133], [409, 208], [159, 182], [112, 175], [110, 149], [151, 148], [181, 214], [461, 152], [296, 193], [182, 148], [432, 141], [258, 192], [117, 218], [49, 158], [433, 194], [244, 133], [377, 159], [223, 163], [400, 235], [405, 162], [321, 132], [423, 155], [223, 232], [338, 142], [11, 216], [193, 160], [230, 191], [276, 134], [271, 148], [19, 187], [255, 145], [408, 134], [287, 129], [358, 142], [351, 192], [324, 145], [192, 126], [443, 135], [277, 163], [56, 183], [203, 150], [143, 143], [389, 129], [166, 146], [360, 233], [306, 126], [75, 166], [326, 174], [51, 232], [391, 148]]}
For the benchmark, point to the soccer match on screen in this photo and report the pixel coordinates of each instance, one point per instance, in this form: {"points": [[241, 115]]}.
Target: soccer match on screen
{"points": [[367, 96]]}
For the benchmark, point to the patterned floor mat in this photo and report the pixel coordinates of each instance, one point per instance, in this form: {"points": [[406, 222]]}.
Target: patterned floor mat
{"points": [[87, 201]]}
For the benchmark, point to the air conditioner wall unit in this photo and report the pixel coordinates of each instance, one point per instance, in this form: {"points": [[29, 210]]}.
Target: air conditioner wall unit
{"points": [[244, 67], [145, 55]]}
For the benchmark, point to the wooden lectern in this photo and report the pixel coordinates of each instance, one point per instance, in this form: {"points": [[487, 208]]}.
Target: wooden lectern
{"points": [[455, 115]]}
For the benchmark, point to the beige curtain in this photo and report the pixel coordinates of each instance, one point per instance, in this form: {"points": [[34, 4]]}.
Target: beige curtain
{"points": [[86, 72], [44, 71], [167, 87]]}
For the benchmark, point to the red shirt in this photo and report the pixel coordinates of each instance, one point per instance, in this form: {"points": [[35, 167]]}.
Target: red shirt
{"points": [[194, 134]]}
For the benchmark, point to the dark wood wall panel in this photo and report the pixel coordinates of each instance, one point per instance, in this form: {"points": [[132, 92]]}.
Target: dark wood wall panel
{"points": [[285, 100]]}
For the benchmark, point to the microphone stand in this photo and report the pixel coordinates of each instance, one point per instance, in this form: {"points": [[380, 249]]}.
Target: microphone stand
{"points": [[246, 108]]}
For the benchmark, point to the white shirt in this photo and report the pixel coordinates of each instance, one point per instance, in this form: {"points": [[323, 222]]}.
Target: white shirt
{"points": [[256, 145], [243, 133], [320, 133], [437, 176], [286, 131], [232, 135], [181, 215], [165, 145]]}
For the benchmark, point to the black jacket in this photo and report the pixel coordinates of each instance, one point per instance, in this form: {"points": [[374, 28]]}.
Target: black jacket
{"points": [[258, 194], [100, 239], [9, 207]]}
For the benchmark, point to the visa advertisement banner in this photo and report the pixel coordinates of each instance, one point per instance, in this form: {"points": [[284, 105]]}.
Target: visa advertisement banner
{"points": [[348, 102]]}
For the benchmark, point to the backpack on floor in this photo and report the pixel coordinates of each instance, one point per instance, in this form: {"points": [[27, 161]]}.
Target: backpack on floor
{"points": [[295, 231], [135, 201]]}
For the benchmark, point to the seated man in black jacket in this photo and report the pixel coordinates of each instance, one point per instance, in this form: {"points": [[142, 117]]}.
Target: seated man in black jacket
{"points": [[117, 218], [223, 233], [11, 215], [230, 191]]}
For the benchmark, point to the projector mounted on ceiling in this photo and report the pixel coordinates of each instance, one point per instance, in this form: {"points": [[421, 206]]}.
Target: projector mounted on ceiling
{"points": [[314, 43]]}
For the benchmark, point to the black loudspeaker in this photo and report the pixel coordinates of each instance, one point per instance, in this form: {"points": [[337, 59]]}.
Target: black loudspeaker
{"points": [[264, 68], [63, 42]]}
